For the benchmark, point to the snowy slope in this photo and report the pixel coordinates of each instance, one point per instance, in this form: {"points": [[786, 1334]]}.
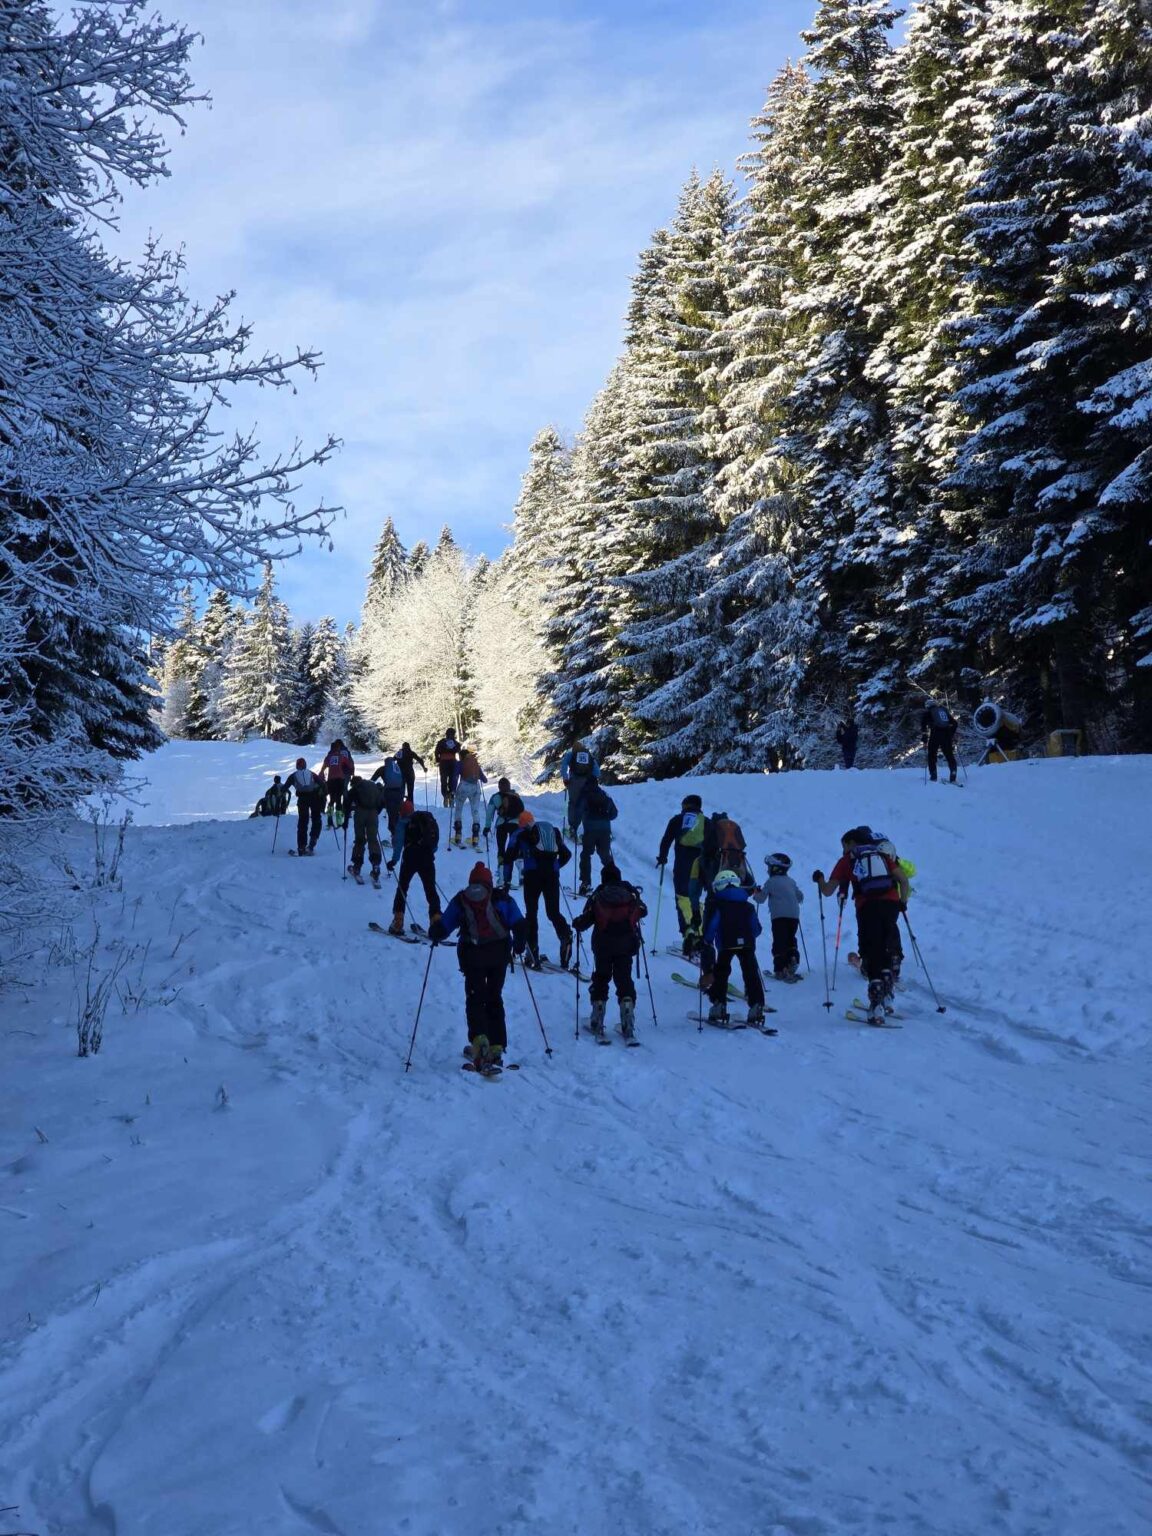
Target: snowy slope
{"points": [[258, 1280]]}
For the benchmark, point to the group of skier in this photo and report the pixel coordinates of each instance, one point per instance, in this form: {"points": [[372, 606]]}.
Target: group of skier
{"points": [[717, 898], [938, 727]]}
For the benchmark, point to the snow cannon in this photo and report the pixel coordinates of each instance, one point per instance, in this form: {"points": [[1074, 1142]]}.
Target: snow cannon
{"points": [[1001, 731]]}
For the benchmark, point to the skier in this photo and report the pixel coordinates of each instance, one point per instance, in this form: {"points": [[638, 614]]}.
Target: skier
{"points": [[879, 888], [938, 726], [597, 813], [391, 774], [541, 849], [274, 800], [504, 807], [579, 770], [907, 869], [467, 793], [492, 930], [614, 912], [407, 811], [724, 848], [406, 758], [418, 857], [309, 806], [847, 735], [784, 898], [731, 929], [447, 757], [686, 831], [366, 799], [337, 770]]}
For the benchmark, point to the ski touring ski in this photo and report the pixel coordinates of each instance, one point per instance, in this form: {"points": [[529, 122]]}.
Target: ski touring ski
{"points": [[854, 1017], [405, 938]]}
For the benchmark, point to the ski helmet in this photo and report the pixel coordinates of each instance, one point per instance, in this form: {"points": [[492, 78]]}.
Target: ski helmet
{"points": [[691, 803], [726, 878], [778, 863]]}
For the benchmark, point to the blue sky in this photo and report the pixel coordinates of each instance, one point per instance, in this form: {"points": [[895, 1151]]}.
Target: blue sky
{"points": [[446, 199]]}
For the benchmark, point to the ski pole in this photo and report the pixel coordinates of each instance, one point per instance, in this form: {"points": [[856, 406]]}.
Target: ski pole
{"points": [[578, 986], [275, 831], [656, 924], [345, 847], [419, 1008], [824, 947], [539, 1020], [836, 950], [803, 946], [940, 1008], [648, 979]]}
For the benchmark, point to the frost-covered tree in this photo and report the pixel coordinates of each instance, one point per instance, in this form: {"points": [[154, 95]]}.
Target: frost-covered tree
{"points": [[259, 696], [181, 671], [223, 619], [322, 680]]}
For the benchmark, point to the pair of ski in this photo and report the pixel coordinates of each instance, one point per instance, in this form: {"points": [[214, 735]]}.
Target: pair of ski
{"points": [[733, 990], [359, 878], [550, 968], [605, 1039], [859, 1014], [418, 935], [732, 1025], [487, 1069], [735, 993]]}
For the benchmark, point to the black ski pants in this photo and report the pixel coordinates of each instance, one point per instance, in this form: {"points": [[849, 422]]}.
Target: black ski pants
{"points": [[753, 982], [784, 950], [598, 843], [417, 862], [338, 796], [366, 827], [941, 741], [309, 819], [612, 968], [878, 937], [543, 884], [484, 967], [409, 783]]}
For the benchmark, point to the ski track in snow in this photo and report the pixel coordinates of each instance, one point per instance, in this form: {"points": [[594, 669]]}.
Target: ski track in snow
{"points": [[837, 1283]]}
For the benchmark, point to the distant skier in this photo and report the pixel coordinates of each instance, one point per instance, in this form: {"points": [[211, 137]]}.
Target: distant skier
{"points": [[492, 930], [879, 888], [468, 794], [309, 806], [542, 852], [784, 898], [579, 770], [731, 928], [366, 799], [613, 912], [938, 726], [504, 808], [686, 832], [336, 771], [417, 859], [597, 813], [447, 757], [391, 775], [274, 800], [406, 758], [847, 735]]}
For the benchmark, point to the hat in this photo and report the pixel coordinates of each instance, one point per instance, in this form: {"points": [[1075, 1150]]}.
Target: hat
{"points": [[778, 861], [406, 808], [724, 879], [610, 875], [858, 835], [301, 762], [691, 803], [503, 784], [481, 875], [525, 819]]}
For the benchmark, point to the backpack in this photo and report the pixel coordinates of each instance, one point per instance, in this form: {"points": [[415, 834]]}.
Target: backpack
{"points": [[581, 764], [941, 719], [481, 921], [546, 838], [511, 807], [616, 907], [306, 781], [692, 825], [393, 774], [598, 805], [871, 871], [370, 795], [423, 831]]}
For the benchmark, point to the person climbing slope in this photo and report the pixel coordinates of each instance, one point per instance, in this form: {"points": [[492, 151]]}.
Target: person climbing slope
{"points": [[468, 794], [446, 754], [613, 913], [542, 853], [421, 838], [879, 888], [309, 790], [492, 930], [336, 771], [686, 832], [731, 928]]}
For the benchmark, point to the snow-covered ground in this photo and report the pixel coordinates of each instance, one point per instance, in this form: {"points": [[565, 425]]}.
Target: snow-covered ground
{"points": [[844, 1282]]}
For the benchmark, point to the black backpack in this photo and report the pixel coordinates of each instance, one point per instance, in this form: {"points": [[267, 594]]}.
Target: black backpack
{"points": [[423, 831]]}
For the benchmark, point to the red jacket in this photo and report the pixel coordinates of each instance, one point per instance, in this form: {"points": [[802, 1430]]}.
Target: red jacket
{"points": [[338, 765], [842, 874]]}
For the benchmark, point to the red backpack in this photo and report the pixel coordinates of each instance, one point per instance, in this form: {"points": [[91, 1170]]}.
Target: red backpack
{"points": [[481, 922], [616, 907]]}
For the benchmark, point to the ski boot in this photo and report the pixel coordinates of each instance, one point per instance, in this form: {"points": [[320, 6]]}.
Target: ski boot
{"points": [[374, 876], [475, 836], [888, 996], [566, 951], [596, 1025], [756, 1015], [396, 926], [876, 1010], [533, 960], [691, 944], [628, 1017], [585, 888], [718, 1013]]}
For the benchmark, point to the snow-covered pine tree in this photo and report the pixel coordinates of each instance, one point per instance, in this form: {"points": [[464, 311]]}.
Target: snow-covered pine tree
{"points": [[418, 557], [222, 622], [180, 674], [323, 678], [259, 677], [373, 682], [1050, 536]]}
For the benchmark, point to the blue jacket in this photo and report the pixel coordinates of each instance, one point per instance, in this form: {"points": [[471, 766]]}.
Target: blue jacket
{"points": [[597, 817], [506, 910], [569, 766], [522, 845], [732, 922]]}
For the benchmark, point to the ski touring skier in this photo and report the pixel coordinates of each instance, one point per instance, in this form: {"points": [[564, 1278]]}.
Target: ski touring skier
{"points": [[597, 813], [542, 853], [391, 775], [907, 869], [504, 809], [847, 735], [731, 928], [421, 837], [274, 801], [336, 771], [407, 811], [309, 806], [446, 754], [579, 770], [613, 913], [492, 930], [938, 727], [467, 794], [784, 898], [685, 832], [406, 758], [880, 889], [366, 799]]}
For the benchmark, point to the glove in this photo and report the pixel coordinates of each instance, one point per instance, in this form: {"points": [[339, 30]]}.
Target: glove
{"points": [[903, 906], [436, 932], [518, 949], [818, 876], [660, 863]]}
